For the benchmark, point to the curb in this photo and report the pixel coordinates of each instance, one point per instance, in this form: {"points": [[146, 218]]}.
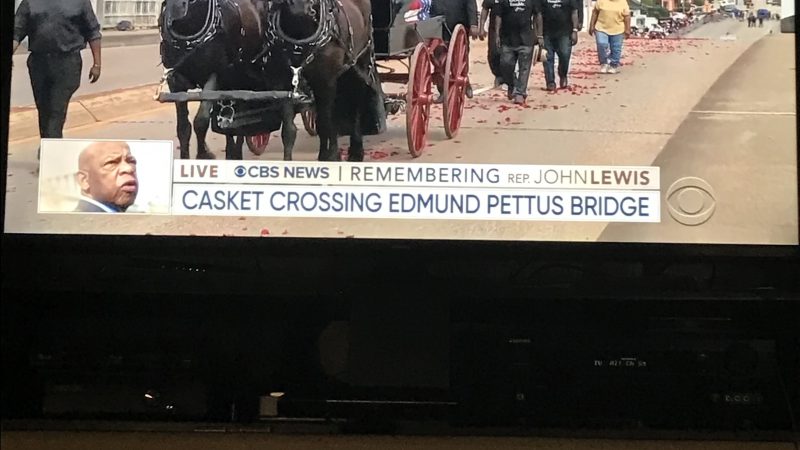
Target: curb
{"points": [[85, 110]]}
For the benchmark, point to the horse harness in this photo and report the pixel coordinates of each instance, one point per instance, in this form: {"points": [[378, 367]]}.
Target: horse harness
{"points": [[302, 52], [186, 46]]}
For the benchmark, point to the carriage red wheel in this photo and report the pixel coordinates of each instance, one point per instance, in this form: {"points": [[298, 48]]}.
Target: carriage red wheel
{"points": [[257, 144], [418, 100], [456, 73], [309, 117]]}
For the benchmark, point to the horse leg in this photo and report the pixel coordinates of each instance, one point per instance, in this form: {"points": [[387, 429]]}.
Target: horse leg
{"points": [[356, 151], [288, 130], [202, 121], [184, 127], [239, 146], [326, 128], [233, 147]]}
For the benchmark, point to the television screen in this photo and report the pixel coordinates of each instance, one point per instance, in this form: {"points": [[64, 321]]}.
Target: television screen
{"points": [[568, 120]]}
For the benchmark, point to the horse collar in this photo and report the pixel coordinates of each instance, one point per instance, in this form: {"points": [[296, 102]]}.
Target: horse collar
{"points": [[303, 51], [211, 27]]}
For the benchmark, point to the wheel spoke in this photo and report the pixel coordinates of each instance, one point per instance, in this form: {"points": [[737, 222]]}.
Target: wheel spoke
{"points": [[418, 98]]}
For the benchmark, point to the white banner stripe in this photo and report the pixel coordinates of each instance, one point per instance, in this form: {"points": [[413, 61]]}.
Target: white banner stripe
{"points": [[416, 203], [405, 174]]}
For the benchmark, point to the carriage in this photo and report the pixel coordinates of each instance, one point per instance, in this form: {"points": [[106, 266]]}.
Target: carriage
{"points": [[403, 33], [409, 49]]}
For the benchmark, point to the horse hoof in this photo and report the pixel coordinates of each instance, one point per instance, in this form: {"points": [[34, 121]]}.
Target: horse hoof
{"points": [[206, 155], [354, 158]]}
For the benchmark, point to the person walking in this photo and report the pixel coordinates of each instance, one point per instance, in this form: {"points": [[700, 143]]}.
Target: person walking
{"points": [[559, 22], [57, 31], [455, 12], [490, 10], [516, 41], [610, 24]]}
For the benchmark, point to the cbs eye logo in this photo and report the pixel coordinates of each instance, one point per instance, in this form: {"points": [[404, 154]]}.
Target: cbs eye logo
{"points": [[691, 201]]}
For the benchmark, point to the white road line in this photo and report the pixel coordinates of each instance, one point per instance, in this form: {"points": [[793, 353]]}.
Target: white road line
{"points": [[482, 90], [747, 113]]}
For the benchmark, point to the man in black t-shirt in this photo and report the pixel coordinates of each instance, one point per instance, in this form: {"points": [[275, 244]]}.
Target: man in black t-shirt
{"points": [[516, 41], [490, 10], [57, 31], [559, 21]]}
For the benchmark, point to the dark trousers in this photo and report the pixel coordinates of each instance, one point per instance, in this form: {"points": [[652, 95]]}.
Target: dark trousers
{"points": [[511, 57], [560, 46], [54, 78]]}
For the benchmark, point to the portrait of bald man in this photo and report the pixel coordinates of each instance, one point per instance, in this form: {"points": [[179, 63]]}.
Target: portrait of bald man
{"points": [[107, 178]]}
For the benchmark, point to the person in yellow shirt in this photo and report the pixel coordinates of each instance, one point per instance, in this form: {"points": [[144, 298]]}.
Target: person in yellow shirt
{"points": [[611, 21]]}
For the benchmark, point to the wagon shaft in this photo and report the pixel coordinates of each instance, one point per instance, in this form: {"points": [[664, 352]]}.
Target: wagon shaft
{"points": [[200, 96]]}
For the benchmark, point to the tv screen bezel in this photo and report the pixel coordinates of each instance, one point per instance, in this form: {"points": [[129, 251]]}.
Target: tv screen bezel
{"points": [[175, 246]]}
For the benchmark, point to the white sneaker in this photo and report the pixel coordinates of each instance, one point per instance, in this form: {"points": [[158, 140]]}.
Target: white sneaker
{"points": [[604, 68], [613, 70]]}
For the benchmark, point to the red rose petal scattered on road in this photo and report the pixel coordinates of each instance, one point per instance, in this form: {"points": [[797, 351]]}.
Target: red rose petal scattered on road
{"points": [[377, 154], [264, 232]]}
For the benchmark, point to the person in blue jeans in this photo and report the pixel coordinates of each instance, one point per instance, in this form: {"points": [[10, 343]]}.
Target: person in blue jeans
{"points": [[610, 24], [559, 21], [515, 22]]}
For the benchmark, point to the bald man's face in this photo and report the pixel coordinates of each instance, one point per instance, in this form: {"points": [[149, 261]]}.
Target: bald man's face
{"points": [[107, 173]]}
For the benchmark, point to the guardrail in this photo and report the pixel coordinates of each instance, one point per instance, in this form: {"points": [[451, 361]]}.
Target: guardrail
{"points": [[141, 13]]}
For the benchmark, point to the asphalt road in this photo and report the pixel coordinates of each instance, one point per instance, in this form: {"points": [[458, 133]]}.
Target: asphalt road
{"points": [[741, 140], [123, 67], [626, 119]]}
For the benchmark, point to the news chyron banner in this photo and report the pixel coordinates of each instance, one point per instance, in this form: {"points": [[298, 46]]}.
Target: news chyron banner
{"points": [[116, 176], [416, 191]]}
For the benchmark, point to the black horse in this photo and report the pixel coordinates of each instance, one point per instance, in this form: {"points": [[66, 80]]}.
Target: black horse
{"points": [[329, 43], [202, 40]]}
